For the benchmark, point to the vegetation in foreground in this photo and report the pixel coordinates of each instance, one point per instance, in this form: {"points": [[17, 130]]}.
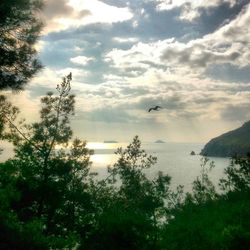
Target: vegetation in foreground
{"points": [[50, 199], [20, 27]]}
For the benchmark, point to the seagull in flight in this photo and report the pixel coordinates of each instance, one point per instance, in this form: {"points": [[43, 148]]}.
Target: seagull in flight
{"points": [[156, 108]]}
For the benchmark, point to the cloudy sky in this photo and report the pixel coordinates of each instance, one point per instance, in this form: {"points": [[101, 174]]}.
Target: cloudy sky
{"points": [[192, 57]]}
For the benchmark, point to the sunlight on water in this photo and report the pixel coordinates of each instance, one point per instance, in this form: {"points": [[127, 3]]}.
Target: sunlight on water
{"points": [[97, 145], [172, 158], [103, 160], [104, 153]]}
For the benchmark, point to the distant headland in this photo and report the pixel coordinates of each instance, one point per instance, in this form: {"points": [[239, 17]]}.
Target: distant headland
{"points": [[235, 142]]}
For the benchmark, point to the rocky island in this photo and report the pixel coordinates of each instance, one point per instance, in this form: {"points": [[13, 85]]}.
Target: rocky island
{"points": [[229, 144], [159, 141]]}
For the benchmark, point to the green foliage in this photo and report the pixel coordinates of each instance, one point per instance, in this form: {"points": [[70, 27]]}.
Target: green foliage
{"points": [[203, 188], [8, 114], [220, 224], [50, 174], [237, 175], [208, 220], [19, 30], [136, 190], [51, 200], [130, 217]]}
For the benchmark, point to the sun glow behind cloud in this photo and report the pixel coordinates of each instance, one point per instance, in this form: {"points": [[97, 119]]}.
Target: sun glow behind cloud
{"points": [[87, 12], [128, 55], [101, 12]]}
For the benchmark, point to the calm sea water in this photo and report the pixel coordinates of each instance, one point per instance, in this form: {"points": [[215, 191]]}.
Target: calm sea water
{"points": [[172, 158]]}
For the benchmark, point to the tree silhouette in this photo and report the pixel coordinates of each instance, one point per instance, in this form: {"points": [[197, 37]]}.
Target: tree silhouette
{"points": [[19, 30], [49, 199], [50, 172], [133, 207]]}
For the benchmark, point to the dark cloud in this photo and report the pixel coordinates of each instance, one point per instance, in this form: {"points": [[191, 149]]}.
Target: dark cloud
{"points": [[57, 8], [153, 64], [57, 54], [156, 25], [173, 106], [151, 25], [189, 115], [198, 56], [239, 112], [110, 115], [206, 99], [213, 18], [229, 73], [134, 91], [84, 13], [60, 8], [39, 90], [159, 25], [129, 71], [96, 40], [167, 102]]}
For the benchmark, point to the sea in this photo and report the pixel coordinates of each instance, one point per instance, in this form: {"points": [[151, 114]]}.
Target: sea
{"points": [[173, 159]]}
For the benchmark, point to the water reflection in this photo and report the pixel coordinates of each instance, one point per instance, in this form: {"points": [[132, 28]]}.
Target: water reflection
{"points": [[173, 159]]}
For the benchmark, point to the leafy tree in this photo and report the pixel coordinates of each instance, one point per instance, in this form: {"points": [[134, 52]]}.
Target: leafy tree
{"points": [[217, 224], [19, 30], [208, 220], [203, 188], [135, 209], [237, 175], [51, 174], [51, 200]]}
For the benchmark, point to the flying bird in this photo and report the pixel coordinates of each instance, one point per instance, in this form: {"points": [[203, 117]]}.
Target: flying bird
{"points": [[156, 108]]}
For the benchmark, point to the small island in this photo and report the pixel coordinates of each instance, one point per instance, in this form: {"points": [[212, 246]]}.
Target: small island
{"points": [[159, 141], [192, 153], [111, 141], [235, 142]]}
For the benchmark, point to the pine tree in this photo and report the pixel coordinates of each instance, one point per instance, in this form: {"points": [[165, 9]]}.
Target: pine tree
{"points": [[19, 30], [50, 171]]}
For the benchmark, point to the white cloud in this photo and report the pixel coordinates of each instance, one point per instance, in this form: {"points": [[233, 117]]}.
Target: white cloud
{"points": [[82, 60], [125, 39], [101, 12], [138, 55], [169, 66], [230, 44], [49, 78], [75, 13], [167, 71], [78, 49]]}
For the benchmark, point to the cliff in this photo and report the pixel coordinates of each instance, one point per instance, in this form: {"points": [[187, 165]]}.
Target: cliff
{"points": [[234, 142]]}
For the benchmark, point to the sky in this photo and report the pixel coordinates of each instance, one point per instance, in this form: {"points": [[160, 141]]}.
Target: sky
{"points": [[191, 57]]}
